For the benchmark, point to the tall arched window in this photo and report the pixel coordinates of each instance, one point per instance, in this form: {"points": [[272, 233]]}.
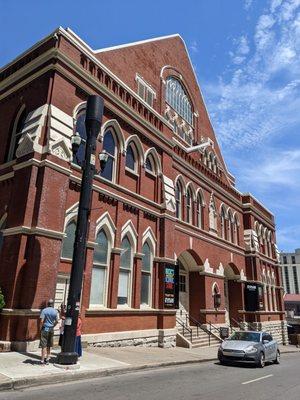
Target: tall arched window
{"points": [[131, 158], [189, 206], [150, 165], [235, 230], [126, 264], [147, 262], [223, 223], [177, 98], [178, 198], [100, 270], [80, 128], [16, 134], [68, 241], [199, 211], [109, 145]]}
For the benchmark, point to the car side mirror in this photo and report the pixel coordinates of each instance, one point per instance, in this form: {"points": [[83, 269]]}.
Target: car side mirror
{"points": [[266, 341]]}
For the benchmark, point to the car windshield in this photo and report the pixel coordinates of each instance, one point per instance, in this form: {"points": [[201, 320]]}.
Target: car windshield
{"points": [[247, 336]]}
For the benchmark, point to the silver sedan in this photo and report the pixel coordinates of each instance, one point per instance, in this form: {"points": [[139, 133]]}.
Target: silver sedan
{"points": [[250, 347]]}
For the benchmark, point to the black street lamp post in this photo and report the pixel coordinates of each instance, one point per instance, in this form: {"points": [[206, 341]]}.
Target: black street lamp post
{"points": [[93, 120]]}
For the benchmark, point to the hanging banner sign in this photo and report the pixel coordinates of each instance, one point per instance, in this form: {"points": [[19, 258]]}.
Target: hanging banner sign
{"points": [[170, 284]]}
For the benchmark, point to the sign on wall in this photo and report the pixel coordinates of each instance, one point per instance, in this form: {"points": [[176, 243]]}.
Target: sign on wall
{"points": [[171, 286], [253, 297]]}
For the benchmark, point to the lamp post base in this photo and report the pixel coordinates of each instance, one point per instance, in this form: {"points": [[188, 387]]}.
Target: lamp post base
{"points": [[67, 358]]}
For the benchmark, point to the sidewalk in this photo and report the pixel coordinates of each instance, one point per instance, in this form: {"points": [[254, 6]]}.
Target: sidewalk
{"points": [[19, 370]]}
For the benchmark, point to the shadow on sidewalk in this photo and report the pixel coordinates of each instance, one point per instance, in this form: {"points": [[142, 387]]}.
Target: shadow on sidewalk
{"points": [[35, 359]]}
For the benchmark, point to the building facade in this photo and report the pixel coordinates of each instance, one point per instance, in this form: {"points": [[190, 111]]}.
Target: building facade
{"points": [[165, 209], [290, 269]]}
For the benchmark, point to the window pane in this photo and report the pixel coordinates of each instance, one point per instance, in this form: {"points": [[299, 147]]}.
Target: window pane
{"points": [[100, 252], [178, 99], [149, 166], [109, 143], [126, 254], [1, 240], [146, 260], [107, 172], [97, 287], [130, 159], [145, 289], [68, 242], [80, 128], [123, 287]]}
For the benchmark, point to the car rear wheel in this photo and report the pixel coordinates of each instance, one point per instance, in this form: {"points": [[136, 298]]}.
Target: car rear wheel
{"points": [[261, 360], [277, 359]]}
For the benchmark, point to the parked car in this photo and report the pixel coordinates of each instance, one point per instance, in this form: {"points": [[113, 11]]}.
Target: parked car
{"points": [[249, 347]]}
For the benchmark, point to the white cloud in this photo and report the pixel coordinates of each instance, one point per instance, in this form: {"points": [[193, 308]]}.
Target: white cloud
{"points": [[248, 4], [288, 237], [259, 95], [194, 46]]}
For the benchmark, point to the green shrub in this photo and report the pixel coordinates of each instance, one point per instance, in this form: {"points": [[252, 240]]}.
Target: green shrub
{"points": [[2, 302]]}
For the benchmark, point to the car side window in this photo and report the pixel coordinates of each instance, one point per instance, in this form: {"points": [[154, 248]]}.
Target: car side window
{"points": [[265, 337], [270, 338]]}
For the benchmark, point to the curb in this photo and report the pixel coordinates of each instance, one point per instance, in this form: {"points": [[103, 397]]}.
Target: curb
{"points": [[34, 381]]}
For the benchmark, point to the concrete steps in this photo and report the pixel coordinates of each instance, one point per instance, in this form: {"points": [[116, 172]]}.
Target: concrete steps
{"points": [[200, 338]]}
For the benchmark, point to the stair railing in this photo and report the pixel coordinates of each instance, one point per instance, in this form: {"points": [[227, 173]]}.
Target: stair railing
{"points": [[185, 328], [204, 328]]}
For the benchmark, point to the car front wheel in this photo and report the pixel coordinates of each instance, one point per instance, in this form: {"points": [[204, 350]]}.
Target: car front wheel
{"points": [[277, 359], [261, 360]]}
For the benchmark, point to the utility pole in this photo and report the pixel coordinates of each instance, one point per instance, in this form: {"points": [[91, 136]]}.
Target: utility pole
{"points": [[93, 120]]}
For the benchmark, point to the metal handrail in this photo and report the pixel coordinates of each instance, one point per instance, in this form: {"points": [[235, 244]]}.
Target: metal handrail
{"points": [[185, 327], [204, 328]]}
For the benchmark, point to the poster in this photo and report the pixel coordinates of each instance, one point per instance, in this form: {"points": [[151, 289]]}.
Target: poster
{"points": [[170, 286]]}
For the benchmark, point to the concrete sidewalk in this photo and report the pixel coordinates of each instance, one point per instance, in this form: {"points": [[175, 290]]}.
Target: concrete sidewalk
{"points": [[19, 370]]}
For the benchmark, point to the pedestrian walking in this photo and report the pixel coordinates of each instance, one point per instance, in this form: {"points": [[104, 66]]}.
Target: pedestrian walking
{"points": [[49, 318], [78, 348]]}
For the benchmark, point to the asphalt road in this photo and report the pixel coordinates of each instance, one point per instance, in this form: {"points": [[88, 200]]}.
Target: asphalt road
{"points": [[209, 381]]}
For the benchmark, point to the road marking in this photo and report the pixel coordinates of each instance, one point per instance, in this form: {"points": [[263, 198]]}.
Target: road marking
{"points": [[257, 379]]}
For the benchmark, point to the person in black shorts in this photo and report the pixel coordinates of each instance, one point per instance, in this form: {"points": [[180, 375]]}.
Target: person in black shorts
{"points": [[49, 318]]}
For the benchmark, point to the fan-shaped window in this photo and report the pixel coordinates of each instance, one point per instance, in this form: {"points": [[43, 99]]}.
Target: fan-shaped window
{"points": [[189, 206], [100, 270], [109, 145], [147, 261], [178, 99], [131, 158], [178, 198], [80, 128], [16, 135], [126, 262], [68, 241]]}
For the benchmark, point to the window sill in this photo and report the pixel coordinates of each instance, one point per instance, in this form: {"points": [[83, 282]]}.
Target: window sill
{"points": [[67, 260], [131, 172]]}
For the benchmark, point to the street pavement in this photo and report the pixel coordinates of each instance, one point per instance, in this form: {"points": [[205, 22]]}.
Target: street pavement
{"points": [[208, 381]]}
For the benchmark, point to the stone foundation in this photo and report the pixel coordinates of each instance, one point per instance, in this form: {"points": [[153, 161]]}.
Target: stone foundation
{"points": [[164, 338], [278, 329]]}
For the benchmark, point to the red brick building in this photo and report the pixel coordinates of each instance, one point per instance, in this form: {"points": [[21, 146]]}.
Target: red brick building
{"points": [[165, 198]]}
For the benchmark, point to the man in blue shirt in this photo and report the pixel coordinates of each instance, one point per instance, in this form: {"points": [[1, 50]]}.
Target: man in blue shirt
{"points": [[49, 318]]}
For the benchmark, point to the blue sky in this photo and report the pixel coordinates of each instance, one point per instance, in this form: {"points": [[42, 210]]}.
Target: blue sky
{"points": [[246, 54]]}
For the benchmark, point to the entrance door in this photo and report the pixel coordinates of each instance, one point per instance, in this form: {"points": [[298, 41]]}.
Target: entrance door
{"points": [[183, 291], [226, 298]]}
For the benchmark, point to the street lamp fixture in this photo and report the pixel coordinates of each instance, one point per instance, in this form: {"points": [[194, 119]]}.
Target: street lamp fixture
{"points": [[93, 121]]}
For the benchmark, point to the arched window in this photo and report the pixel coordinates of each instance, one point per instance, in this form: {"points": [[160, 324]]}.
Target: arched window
{"points": [[235, 230], [189, 206], [150, 165], [100, 270], [199, 211], [126, 263], [2, 227], [80, 128], [16, 134], [131, 158], [147, 262], [68, 241], [109, 145], [178, 198], [230, 227], [177, 98], [223, 223]]}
